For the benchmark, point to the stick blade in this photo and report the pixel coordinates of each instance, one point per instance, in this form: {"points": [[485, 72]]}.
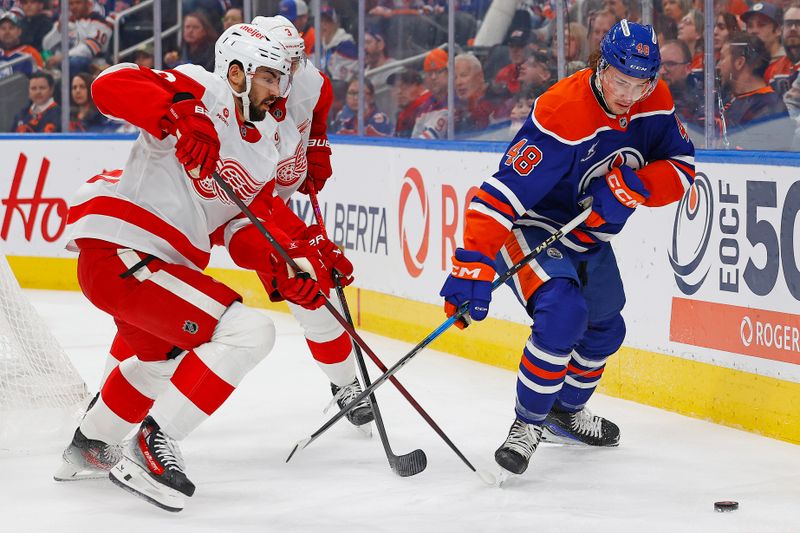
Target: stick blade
{"points": [[409, 464], [300, 445]]}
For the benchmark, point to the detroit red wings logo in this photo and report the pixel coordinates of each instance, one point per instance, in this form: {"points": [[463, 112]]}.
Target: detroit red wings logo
{"points": [[244, 185], [292, 168]]}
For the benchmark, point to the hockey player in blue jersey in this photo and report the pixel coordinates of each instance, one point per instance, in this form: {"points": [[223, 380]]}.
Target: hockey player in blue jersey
{"points": [[608, 132]]}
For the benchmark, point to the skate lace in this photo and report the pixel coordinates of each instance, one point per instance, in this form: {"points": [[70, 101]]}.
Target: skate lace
{"points": [[584, 422], [111, 453], [523, 438], [345, 395], [167, 451]]}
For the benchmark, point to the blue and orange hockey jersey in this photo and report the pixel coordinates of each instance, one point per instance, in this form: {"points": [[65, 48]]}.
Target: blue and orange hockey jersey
{"points": [[568, 140]]}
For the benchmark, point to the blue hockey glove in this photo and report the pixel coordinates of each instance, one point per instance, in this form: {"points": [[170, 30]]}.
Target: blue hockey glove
{"points": [[470, 280], [615, 197]]}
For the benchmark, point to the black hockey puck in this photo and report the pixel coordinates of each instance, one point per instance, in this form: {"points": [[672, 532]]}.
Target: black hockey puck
{"points": [[725, 507]]}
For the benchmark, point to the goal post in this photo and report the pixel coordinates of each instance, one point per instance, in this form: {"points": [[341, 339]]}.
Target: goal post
{"points": [[41, 392]]}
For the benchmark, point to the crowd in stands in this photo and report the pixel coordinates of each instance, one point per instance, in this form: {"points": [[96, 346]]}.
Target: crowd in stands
{"points": [[756, 50]]}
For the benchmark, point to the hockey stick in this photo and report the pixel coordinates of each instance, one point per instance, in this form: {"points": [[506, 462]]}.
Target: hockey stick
{"points": [[556, 236], [485, 476], [403, 465]]}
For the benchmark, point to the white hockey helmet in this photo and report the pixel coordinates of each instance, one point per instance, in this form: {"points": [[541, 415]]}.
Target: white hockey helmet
{"points": [[283, 31], [250, 46]]}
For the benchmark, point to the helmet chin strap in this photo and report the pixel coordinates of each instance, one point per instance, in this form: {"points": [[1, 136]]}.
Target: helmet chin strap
{"points": [[244, 96]]}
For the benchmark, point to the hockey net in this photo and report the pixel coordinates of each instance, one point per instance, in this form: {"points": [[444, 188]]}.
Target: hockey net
{"points": [[40, 390]]}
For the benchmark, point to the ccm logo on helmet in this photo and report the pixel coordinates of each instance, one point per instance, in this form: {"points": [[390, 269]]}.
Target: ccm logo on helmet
{"points": [[464, 272]]}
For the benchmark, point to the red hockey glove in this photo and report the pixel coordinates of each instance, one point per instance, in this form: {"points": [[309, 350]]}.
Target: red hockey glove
{"points": [[331, 255], [304, 289], [318, 154], [469, 281], [198, 143], [615, 197]]}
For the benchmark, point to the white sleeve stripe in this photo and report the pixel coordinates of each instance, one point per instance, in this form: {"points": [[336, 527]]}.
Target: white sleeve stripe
{"points": [[484, 210], [681, 176], [509, 195]]}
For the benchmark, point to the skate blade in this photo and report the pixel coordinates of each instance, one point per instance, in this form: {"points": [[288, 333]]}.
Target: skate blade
{"points": [[365, 430], [71, 472], [503, 476], [134, 479]]}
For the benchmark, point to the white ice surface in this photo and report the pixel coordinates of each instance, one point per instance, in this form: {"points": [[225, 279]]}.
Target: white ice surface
{"points": [[665, 476]]}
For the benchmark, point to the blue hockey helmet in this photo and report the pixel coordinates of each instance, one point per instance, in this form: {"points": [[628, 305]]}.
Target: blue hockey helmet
{"points": [[632, 49]]}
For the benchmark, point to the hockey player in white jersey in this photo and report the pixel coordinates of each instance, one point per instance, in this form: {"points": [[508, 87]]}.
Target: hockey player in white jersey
{"points": [[300, 120], [144, 236]]}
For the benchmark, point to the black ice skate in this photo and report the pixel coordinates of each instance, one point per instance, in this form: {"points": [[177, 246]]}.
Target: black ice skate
{"points": [[360, 414], [87, 458], [152, 468], [515, 453], [581, 427]]}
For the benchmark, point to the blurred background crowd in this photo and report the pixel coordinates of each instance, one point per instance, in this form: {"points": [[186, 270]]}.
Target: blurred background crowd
{"points": [[505, 54]]}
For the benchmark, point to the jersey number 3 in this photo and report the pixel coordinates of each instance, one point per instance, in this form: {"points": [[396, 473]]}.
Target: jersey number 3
{"points": [[523, 158]]}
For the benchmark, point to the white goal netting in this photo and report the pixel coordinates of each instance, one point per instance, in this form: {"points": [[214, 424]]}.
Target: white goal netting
{"points": [[40, 390]]}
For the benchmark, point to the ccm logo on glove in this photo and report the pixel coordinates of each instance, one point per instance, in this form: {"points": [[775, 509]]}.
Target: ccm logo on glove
{"points": [[626, 196]]}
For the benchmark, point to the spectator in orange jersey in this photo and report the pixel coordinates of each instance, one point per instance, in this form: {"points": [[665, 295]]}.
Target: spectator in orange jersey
{"points": [[43, 115], [10, 33]]}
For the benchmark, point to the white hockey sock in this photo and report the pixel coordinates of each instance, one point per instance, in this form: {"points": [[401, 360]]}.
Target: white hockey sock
{"points": [[209, 374]]}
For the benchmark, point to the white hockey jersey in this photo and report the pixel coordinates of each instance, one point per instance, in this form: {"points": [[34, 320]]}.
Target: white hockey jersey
{"points": [[309, 98], [156, 207], [89, 37]]}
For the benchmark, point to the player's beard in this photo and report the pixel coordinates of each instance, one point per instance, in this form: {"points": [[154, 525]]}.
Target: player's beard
{"points": [[258, 112]]}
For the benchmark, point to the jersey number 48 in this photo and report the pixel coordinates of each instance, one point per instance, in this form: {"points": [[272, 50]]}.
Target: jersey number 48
{"points": [[523, 158]]}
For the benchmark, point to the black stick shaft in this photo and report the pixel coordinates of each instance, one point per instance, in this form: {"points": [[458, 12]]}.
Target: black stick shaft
{"points": [[444, 326]]}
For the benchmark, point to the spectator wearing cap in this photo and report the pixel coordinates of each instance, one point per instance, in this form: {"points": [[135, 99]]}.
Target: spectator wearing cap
{"points": [[43, 115], [143, 56], [508, 76], [10, 33], [432, 124], [412, 98], [297, 13], [376, 123], [536, 73], [782, 73], [474, 111], [690, 31], [764, 20], [35, 24], [339, 57], [89, 37], [755, 117]]}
